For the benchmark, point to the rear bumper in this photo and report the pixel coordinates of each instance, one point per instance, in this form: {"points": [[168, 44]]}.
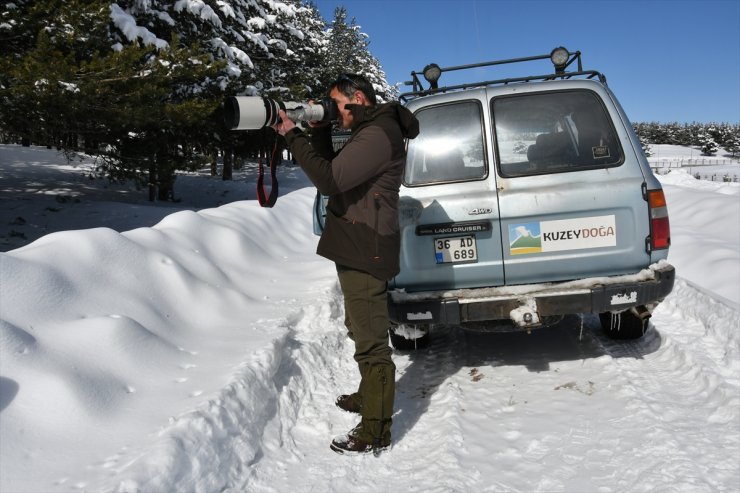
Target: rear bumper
{"points": [[527, 305]]}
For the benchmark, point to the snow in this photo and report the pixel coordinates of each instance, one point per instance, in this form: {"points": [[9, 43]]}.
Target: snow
{"points": [[199, 8], [127, 24], [199, 346], [232, 52], [227, 10]]}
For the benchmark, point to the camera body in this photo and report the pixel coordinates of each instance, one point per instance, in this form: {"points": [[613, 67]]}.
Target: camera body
{"points": [[255, 112]]}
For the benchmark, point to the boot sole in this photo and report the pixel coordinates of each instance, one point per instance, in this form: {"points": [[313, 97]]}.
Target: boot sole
{"points": [[375, 451]]}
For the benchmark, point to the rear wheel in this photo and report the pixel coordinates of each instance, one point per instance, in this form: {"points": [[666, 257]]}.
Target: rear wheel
{"points": [[623, 325], [406, 337]]}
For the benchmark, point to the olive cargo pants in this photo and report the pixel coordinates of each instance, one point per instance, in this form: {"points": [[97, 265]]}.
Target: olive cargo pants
{"points": [[366, 318]]}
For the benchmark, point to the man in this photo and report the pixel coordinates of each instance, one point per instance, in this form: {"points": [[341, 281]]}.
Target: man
{"points": [[361, 236]]}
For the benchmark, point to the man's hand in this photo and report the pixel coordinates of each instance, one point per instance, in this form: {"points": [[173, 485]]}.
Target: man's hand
{"points": [[285, 125]]}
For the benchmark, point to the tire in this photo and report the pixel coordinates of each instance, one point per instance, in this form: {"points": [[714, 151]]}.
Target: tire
{"points": [[623, 325], [402, 337]]}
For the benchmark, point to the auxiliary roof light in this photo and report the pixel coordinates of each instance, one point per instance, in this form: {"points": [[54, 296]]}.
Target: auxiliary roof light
{"points": [[559, 58], [432, 72]]}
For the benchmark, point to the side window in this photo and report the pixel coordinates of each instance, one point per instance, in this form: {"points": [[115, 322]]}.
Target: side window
{"points": [[554, 132], [449, 147]]}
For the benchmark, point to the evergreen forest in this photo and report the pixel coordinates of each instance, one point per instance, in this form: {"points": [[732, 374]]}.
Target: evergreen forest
{"points": [[140, 84]]}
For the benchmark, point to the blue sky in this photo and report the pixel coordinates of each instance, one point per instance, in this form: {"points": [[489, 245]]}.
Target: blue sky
{"points": [[665, 60]]}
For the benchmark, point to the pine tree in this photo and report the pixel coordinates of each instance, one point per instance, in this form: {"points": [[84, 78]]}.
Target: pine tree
{"points": [[129, 102], [708, 145], [645, 147], [42, 44], [732, 142], [348, 52]]}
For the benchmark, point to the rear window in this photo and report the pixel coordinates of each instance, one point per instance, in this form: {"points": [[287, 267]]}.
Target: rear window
{"points": [[449, 147], [554, 132]]}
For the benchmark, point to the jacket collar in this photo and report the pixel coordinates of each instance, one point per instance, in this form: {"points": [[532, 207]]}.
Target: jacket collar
{"points": [[362, 115]]}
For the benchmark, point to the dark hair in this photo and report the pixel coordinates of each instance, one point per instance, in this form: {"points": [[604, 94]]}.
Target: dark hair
{"points": [[347, 84]]}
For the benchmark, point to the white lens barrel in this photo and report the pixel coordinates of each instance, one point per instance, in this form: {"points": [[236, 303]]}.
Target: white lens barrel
{"points": [[255, 112], [249, 112], [306, 113]]}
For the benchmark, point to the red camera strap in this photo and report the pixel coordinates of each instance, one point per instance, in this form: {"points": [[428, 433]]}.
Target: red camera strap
{"points": [[262, 197]]}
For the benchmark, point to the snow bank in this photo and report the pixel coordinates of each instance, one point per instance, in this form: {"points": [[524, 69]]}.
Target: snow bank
{"points": [[705, 232], [116, 334]]}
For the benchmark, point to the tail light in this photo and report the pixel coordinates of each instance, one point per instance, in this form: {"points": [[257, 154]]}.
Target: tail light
{"points": [[660, 229]]}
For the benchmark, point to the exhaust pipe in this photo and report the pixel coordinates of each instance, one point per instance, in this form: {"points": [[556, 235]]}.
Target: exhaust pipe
{"points": [[642, 312]]}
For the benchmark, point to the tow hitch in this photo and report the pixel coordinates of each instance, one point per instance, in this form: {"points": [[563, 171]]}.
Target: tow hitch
{"points": [[526, 315]]}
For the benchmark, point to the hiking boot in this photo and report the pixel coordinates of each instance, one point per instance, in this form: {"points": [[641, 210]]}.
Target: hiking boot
{"points": [[349, 403], [353, 443]]}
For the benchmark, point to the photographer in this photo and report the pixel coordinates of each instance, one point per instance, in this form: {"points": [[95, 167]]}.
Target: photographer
{"points": [[361, 237]]}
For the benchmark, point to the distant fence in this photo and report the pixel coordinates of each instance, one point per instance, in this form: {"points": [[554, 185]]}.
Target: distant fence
{"points": [[686, 162], [730, 176]]}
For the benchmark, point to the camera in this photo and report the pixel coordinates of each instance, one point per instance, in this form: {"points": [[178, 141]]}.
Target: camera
{"points": [[255, 112]]}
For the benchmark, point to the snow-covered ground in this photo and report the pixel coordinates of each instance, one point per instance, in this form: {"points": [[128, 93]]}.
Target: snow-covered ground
{"points": [[203, 350]]}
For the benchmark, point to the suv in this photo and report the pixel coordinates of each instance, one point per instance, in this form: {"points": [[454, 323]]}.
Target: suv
{"points": [[526, 199]]}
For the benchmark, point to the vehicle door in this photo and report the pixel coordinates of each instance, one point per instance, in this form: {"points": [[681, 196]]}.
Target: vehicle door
{"points": [[571, 196], [448, 210]]}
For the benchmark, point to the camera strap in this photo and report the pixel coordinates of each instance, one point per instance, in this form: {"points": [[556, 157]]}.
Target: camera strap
{"points": [[262, 197]]}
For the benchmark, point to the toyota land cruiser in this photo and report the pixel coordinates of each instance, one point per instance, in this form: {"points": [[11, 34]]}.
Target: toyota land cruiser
{"points": [[526, 199]]}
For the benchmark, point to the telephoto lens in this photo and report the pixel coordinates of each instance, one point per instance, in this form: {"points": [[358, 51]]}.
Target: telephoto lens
{"points": [[255, 112]]}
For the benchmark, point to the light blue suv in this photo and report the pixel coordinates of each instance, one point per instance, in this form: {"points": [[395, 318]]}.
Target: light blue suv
{"points": [[526, 199]]}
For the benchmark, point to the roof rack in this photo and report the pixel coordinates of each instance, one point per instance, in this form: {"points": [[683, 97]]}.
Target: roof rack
{"points": [[560, 57]]}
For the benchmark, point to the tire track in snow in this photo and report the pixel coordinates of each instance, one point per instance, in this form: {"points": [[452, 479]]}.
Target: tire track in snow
{"points": [[429, 417], [560, 413], [529, 422], [682, 397]]}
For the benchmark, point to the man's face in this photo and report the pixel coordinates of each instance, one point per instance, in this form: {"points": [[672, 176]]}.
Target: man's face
{"points": [[345, 115]]}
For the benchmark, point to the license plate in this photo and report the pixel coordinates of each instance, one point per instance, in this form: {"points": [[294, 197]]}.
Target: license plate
{"points": [[456, 249]]}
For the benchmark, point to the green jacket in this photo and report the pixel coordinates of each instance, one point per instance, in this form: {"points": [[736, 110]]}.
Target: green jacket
{"points": [[362, 183]]}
